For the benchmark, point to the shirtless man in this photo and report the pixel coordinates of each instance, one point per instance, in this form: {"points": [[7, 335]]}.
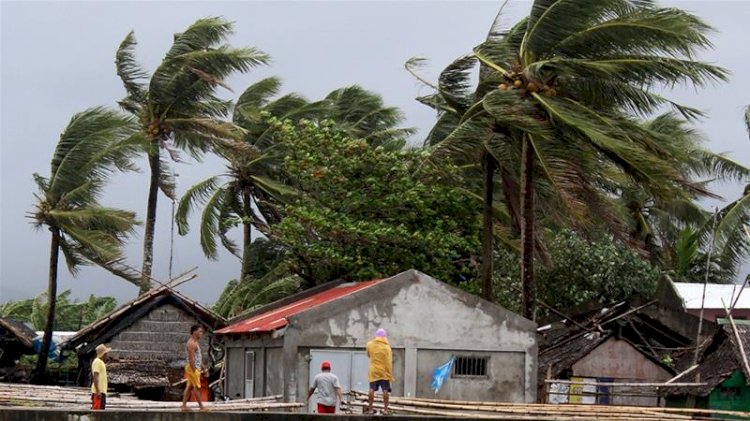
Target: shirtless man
{"points": [[193, 368]]}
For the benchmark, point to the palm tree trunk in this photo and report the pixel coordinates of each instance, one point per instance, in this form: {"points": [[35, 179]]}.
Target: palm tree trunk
{"points": [[488, 167], [527, 229], [54, 254], [247, 238], [148, 236]]}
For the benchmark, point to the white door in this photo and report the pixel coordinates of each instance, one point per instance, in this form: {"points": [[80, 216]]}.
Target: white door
{"points": [[341, 363], [249, 373]]}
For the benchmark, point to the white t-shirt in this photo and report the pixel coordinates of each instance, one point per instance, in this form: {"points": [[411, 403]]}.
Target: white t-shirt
{"points": [[325, 385]]}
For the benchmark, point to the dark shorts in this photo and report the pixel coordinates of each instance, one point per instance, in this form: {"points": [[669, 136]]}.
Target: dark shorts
{"points": [[383, 385], [98, 401], [325, 409]]}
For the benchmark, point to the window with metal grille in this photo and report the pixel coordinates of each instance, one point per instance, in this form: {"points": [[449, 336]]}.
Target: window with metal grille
{"points": [[470, 366]]}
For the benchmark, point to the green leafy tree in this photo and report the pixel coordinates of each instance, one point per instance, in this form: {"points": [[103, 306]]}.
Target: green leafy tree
{"points": [[575, 76], [92, 146], [583, 271], [367, 212], [255, 180], [177, 106]]}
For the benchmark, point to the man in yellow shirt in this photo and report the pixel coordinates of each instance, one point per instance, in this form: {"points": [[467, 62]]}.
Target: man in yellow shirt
{"points": [[380, 374], [99, 378]]}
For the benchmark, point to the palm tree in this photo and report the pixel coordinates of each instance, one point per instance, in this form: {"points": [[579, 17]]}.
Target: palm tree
{"points": [[576, 75], [95, 142], [177, 106]]}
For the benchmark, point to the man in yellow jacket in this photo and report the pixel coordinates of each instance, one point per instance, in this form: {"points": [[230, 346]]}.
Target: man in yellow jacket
{"points": [[380, 374]]}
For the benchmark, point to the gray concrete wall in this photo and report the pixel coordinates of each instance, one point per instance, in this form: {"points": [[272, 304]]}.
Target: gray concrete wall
{"points": [[505, 369], [419, 312], [274, 375]]}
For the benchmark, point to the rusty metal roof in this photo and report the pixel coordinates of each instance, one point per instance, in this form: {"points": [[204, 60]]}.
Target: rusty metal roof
{"points": [[276, 318]]}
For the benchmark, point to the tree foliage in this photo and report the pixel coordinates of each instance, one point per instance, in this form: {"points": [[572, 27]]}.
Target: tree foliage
{"points": [[367, 212], [70, 315], [583, 271]]}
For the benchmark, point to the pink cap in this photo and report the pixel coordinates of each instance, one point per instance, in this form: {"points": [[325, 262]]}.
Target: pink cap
{"points": [[380, 333]]}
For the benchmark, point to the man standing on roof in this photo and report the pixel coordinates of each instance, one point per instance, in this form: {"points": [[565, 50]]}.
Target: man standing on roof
{"points": [[193, 368], [380, 374], [99, 378], [329, 389]]}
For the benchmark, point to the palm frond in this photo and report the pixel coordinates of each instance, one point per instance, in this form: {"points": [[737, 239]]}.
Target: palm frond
{"points": [[131, 73], [210, 223], [196, 194]]}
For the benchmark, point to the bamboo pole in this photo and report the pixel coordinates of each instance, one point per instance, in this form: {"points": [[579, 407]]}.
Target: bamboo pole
{"points": [[737, 338]]}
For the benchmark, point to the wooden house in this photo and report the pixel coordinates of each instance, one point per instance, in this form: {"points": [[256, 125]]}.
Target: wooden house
{"points": [[147, 337], [580, 358], [16, 339]]}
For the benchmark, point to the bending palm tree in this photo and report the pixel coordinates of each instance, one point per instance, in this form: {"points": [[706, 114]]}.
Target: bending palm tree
{"points": [[177, 107], [93, 145], [574, 76]]}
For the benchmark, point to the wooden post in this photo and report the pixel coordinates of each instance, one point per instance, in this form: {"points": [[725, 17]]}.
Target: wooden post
{"points": [[547, 385]]}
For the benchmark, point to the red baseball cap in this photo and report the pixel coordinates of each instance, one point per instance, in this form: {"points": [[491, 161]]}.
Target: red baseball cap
{"points": [[325, 365]]}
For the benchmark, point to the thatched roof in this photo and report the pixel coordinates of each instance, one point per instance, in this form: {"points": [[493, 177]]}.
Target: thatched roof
{"points": [[720, 358], [18, 331], [103, 329]]}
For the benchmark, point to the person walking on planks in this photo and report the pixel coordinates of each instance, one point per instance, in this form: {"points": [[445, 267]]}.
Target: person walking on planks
{"points": [[380, 374], [99, 378], [329, 389], [193, 368]]}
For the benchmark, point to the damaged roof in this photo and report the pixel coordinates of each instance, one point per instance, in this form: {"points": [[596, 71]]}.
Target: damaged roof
{"points": [[19, 331], [720, 358], [564, 343], [275, 316]]}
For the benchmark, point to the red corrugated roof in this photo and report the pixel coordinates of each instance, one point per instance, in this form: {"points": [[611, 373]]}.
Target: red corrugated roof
{"points": [[277, 318]]}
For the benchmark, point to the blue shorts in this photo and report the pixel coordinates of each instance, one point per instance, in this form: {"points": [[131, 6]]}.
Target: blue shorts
{"points": [[383, 385]]}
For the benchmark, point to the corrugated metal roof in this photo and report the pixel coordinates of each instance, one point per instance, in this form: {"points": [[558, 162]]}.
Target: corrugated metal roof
{"points": [[692, 294], [278, 317]]}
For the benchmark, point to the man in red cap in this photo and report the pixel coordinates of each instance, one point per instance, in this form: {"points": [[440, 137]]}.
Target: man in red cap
{"points": [[328, 387]]}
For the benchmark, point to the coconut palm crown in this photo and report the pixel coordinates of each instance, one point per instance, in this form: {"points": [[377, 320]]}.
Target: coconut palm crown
{"points": [[177, 106], [574, 78], [95, 143]]}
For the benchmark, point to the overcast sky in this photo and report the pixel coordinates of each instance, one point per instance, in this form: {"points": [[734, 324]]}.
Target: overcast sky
{"points": [[57, 59]]}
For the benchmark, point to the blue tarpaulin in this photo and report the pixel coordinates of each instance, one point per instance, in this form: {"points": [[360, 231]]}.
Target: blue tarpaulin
{"points": [[441, 373]]}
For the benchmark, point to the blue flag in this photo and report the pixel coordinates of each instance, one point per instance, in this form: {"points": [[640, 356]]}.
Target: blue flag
{"points": [[441, 373]]}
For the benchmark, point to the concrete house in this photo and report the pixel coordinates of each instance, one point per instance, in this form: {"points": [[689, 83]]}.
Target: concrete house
{"points": [[278, 348]]}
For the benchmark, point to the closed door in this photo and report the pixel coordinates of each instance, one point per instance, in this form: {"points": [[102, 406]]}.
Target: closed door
{"points": [[341, 363]]}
